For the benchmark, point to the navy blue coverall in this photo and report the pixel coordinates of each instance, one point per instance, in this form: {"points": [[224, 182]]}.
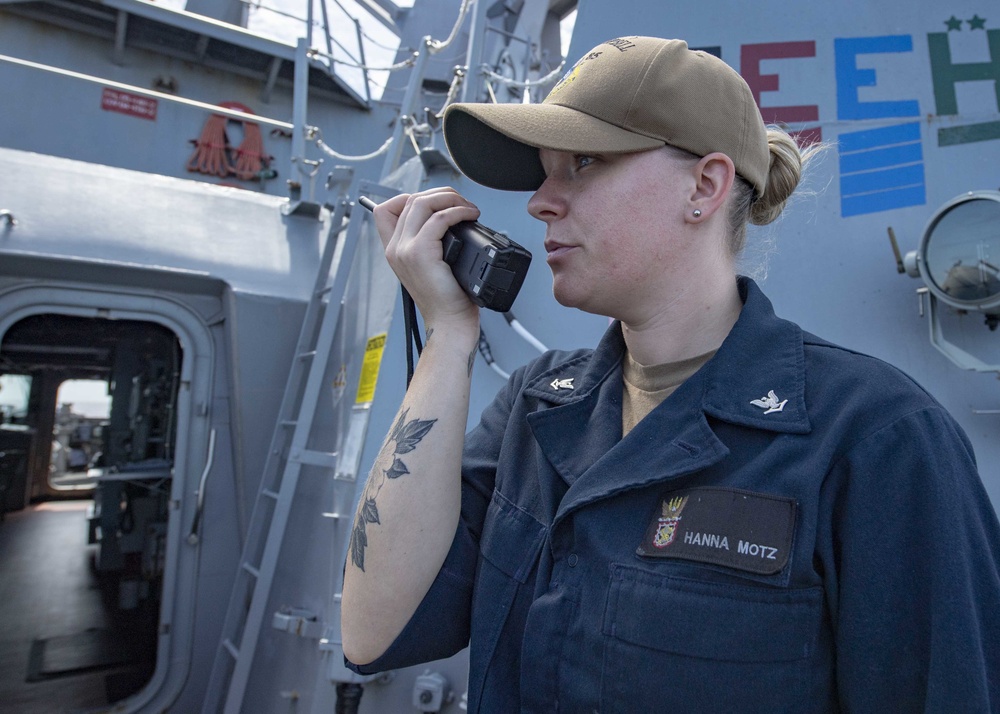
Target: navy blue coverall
{"points": [[798, 527]]}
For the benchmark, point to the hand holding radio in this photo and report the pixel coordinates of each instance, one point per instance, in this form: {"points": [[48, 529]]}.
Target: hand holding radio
{"points": [[487, 265]]}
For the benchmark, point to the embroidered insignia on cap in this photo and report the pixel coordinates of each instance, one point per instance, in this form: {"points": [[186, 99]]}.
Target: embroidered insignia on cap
{"points": [[558, 384], [770, 403], [571, 75], [621, 43]]}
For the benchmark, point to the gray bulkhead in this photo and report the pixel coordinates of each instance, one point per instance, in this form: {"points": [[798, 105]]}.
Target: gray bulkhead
{"points": [[226, 273]]}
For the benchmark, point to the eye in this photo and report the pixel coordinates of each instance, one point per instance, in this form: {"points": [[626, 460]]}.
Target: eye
{"points": [[583, 160]]}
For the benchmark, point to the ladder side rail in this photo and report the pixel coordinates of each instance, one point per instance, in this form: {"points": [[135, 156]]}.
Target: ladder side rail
{"points": [[328, 258], [240, 593], [282, 509], [301, 362], [324, 342], [310, 320]]}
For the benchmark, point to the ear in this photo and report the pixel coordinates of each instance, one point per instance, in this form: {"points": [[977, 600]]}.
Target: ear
{"points": [[714, 175]]}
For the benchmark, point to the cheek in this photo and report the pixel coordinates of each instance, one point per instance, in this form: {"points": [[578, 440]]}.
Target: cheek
{"points": [[641, 251]]}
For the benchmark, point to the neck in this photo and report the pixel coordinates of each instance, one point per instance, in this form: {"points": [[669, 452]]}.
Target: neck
{"points": [[694, 322]]}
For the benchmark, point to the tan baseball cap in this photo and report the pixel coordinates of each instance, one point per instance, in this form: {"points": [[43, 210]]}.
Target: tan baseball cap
{"points": [[625, 95]]}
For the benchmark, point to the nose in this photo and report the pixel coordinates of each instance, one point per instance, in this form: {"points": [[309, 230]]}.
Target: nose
{"points": [[547, 203]]}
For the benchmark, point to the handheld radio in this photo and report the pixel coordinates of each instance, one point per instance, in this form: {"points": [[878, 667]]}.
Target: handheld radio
{"points": [[488, 265]]}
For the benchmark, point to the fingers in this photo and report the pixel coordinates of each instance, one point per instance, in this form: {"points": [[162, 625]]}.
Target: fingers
{"points": [[411, 228], [417, 208], [387, 215], [423, 222]]}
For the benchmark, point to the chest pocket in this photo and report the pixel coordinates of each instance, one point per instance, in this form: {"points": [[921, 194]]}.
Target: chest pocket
{"points": [[708, 646], [512, 538], [509, 548]]}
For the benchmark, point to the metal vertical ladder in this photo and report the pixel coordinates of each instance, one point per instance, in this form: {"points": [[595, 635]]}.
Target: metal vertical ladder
{"points": [[287, 455]]}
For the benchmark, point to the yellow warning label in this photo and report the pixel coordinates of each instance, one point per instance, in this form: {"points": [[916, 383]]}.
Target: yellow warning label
{"points": [[369, 368]]}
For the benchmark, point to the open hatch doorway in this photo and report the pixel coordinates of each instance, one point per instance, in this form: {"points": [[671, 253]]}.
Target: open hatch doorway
{"points": [[84, 543]]}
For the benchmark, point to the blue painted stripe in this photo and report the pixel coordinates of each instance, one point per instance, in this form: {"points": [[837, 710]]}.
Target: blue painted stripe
{"points": [[881, 158], [882, 201], [895, 177], [883, 136]]}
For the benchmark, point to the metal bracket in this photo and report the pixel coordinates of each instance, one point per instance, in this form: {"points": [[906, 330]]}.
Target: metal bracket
{"points": [[950, 350], [298, 622], [305, 209], [298, 207]]}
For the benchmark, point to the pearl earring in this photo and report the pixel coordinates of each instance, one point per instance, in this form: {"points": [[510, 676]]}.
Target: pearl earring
{"points": [[696, 213]]}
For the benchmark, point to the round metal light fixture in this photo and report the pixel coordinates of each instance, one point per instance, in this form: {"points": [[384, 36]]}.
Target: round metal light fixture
{"points": [[959, 254], [958, 259]]}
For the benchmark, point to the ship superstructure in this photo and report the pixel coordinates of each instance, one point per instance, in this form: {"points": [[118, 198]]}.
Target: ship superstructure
{"points": [[178, 223]]}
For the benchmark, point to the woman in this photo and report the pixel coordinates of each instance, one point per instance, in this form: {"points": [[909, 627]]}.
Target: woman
{"points": [[711, 511]]}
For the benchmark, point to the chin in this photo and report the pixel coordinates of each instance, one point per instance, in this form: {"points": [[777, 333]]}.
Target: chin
{"points": [[580, 300], [564, 297]]}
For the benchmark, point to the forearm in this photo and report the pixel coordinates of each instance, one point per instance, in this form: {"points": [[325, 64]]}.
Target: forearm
{"points": [[410, 506]]}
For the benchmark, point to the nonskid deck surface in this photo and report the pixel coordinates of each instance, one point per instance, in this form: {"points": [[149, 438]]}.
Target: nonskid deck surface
{"points": [[64, 643]]}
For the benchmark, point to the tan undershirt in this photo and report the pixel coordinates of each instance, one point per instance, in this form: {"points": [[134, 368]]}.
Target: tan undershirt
{"points": [[647, 387]]}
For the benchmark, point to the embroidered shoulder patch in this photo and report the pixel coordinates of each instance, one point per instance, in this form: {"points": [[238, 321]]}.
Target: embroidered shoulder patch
{"points": [[724, 526]]}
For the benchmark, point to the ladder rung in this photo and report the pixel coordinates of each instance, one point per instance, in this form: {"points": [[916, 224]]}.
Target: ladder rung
{"points": [[326, 459], [231, 648], [269, 493], [324, 291], [307, 355], [252, 570], [289, 422]]}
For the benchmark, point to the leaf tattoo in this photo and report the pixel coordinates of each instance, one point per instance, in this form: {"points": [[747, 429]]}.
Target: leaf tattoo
{"points": [[407, 437], [402, 439], [370, 511], [397, 469], [359, 539]]}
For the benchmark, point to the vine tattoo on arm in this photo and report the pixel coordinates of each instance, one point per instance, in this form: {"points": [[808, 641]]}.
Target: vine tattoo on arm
{"points": [[403, 439]]}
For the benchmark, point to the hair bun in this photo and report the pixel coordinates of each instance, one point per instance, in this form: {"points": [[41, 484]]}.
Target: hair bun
{"points": [[782, 177]]}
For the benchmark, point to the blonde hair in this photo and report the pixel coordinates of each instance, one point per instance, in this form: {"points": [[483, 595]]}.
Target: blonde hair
{"points": [[788, 161]]}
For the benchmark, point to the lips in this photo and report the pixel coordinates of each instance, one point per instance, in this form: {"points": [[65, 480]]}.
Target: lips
{"points": [[554, 249]]}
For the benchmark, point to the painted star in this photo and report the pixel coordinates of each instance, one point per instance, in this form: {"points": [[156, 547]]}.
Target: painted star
{"points": [[977, 23], [953, 23]]}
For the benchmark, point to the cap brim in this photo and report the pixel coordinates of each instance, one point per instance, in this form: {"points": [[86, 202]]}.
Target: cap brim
{"points": [[497, 145]]}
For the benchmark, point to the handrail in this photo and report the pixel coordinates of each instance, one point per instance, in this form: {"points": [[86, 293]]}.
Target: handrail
{"points": [[242, 116]]}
